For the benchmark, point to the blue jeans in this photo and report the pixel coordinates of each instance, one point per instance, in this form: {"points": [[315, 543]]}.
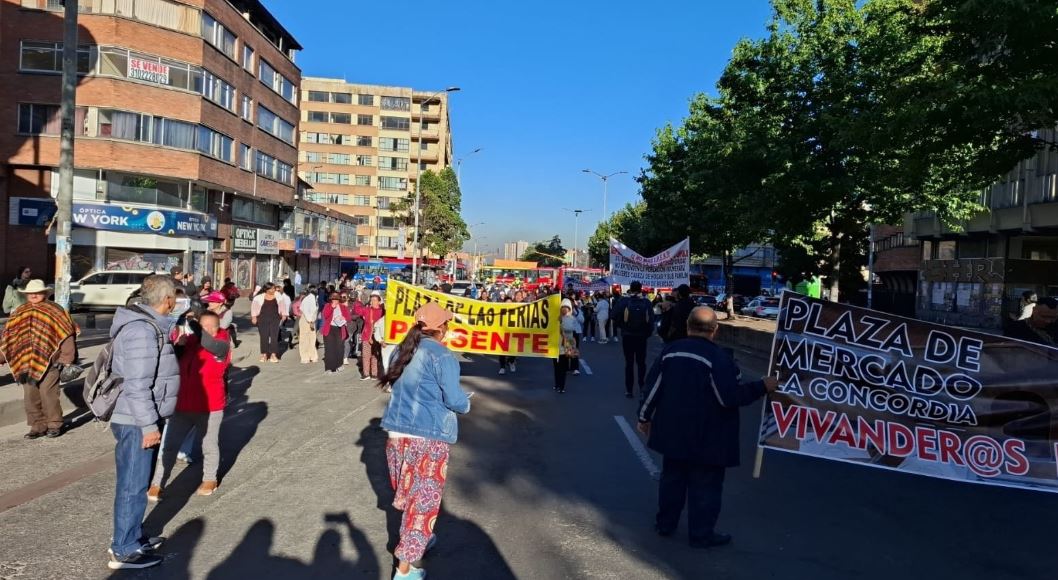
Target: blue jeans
{"points": [[133, 464]]}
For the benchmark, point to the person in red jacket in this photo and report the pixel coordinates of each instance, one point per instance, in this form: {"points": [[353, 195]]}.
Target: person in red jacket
{"points": [[335, 331], [200, 402], [370, 351]]}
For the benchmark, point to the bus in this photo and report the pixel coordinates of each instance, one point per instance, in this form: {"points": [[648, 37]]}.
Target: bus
{"points": [[375, 274], [568, 275], [519, 274]]}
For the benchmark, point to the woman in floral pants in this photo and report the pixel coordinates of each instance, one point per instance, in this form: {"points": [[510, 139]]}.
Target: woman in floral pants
{"points": [[422, 424]]}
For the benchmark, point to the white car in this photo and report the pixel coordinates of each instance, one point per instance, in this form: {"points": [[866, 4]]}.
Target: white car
{"points": [[461, 288], [762, 308], [108, 289]]}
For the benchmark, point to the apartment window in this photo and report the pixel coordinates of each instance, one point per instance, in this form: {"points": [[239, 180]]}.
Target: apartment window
{"points": [[396, 103], [123, 187], [363, 240], [247, 108], [272, 168], [363, 160], [388, 223], [423, 166], [214, 144], [365, 120], [245, 157], [338, 158], [389, 242], [362, 200], [247, 57], [342, 98], [396, 123], [38, 119], [363, 180], [318, 117], [393, 163], [217, 90], [384, 202], [425, 107], [319, 97], [342, 118], [424, 146], [313, 157], [363, 141], [216, 34], [329, 178], [277, 82], [256, 212], [320, 197], [425, 126], [47, 57], [393, 183], [360, 220], [126, 125], [393, 144], [368, 100], [274, 125]]}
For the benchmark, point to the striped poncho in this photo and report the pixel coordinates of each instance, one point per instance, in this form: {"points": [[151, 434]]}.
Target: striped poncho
{"points": [[32, 337]]}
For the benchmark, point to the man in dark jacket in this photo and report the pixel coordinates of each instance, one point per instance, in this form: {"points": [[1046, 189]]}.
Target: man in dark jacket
{"points": [[690, 416], [678, 315], [634, 315], [148, 395]]}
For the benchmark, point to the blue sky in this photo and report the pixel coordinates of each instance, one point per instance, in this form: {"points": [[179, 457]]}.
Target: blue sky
{"points": [[548, 88]]}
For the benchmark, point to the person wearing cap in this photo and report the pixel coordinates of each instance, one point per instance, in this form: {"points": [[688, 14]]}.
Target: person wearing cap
{"points": [[335, 332], [568, 352], [37, 341], [422, 422]]}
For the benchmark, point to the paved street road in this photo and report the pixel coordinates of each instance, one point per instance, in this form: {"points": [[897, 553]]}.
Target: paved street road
{"points": [[541, 486]]}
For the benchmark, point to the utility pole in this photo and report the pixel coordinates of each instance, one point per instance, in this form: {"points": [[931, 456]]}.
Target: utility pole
{"points": [[64, 200], [605, 189], [576, 231]]}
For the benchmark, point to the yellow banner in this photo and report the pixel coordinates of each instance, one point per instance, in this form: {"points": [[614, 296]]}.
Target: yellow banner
{"points": [[507, 328]]}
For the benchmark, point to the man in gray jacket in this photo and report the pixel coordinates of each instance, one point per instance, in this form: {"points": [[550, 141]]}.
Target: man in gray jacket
{"points": [[148, 395]]}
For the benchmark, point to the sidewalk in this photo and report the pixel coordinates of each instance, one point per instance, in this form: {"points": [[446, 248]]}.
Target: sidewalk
{"points": [[95, 332]]}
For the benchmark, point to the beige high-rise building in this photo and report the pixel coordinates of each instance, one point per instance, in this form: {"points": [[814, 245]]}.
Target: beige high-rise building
{"points": [[360, 148], [515, 250]]}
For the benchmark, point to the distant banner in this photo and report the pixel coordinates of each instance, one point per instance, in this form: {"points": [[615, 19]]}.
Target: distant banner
{"points": [[504, 328], [867, 387], [665, 270], [600, 285]]}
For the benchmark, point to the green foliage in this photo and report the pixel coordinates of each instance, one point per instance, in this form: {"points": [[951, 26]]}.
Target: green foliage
{"points": [[630, 225], [549, 253], [441, 226]]}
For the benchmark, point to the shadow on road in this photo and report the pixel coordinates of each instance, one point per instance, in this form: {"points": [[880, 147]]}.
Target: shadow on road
{"points": [[464, 549]]}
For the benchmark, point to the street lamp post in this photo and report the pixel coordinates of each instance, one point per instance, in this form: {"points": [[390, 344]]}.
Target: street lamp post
{"points": [[418, 186], [459, 165], [605, 186], [576, 231]]}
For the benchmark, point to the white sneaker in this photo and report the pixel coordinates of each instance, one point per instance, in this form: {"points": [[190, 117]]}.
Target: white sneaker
{"points": [[184, 458], [513, 368], [576, 373], [503, 371]]}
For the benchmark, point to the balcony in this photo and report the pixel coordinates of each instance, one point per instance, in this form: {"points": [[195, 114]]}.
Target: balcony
{"points": [[427, 134]]}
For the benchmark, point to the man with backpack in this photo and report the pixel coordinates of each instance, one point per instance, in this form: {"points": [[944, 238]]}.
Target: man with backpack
{"points": [[144, 359], [634, 316]]}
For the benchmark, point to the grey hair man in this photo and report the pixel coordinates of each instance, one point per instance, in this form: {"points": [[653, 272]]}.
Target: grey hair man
{"points": [[144, 358], [690, 416]]}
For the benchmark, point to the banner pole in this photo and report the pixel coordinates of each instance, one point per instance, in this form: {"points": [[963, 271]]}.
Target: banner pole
{"points": [[758, 462]]}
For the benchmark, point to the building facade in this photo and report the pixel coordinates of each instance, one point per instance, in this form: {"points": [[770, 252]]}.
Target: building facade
{"points": [[974, 275], [185, 136], [361, 149], [897, 260], [515, 250]]}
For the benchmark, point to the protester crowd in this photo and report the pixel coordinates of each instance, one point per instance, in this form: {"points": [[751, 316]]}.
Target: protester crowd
{"points": [[173, 353]]}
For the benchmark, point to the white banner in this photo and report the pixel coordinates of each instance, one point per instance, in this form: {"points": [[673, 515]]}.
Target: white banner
{"points": [[665, 270]]}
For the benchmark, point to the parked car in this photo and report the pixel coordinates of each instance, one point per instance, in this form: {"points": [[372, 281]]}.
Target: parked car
{"points": [[108, 289], [705, 300], [460, 288], [766, 308]]}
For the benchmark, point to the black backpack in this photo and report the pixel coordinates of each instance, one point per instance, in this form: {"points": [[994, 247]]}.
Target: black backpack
{"points": [[637, 317], [102, 386]]}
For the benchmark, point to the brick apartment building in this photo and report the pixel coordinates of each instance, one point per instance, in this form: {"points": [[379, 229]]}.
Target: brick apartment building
{"points": [[186, 135]]}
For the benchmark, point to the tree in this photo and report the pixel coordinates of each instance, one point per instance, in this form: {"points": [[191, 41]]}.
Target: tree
{"points": [[630, 225], [548, 253], [441, 226]]}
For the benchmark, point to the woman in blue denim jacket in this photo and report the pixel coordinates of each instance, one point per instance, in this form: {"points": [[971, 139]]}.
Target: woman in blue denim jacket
{"points": [[422, 424]]}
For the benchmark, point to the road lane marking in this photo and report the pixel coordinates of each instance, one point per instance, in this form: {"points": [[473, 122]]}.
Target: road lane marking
{"points": [[584, 366], [638, 447]]}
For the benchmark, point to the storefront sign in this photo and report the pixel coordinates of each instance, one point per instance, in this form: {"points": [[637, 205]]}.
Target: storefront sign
{"points": [[268, 242], [31, 211], [874, 389], [149, 71], [243, 240], [163, 222]]}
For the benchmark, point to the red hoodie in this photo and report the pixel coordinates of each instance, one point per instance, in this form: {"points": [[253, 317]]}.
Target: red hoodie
{"points": [[202, 377]]}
